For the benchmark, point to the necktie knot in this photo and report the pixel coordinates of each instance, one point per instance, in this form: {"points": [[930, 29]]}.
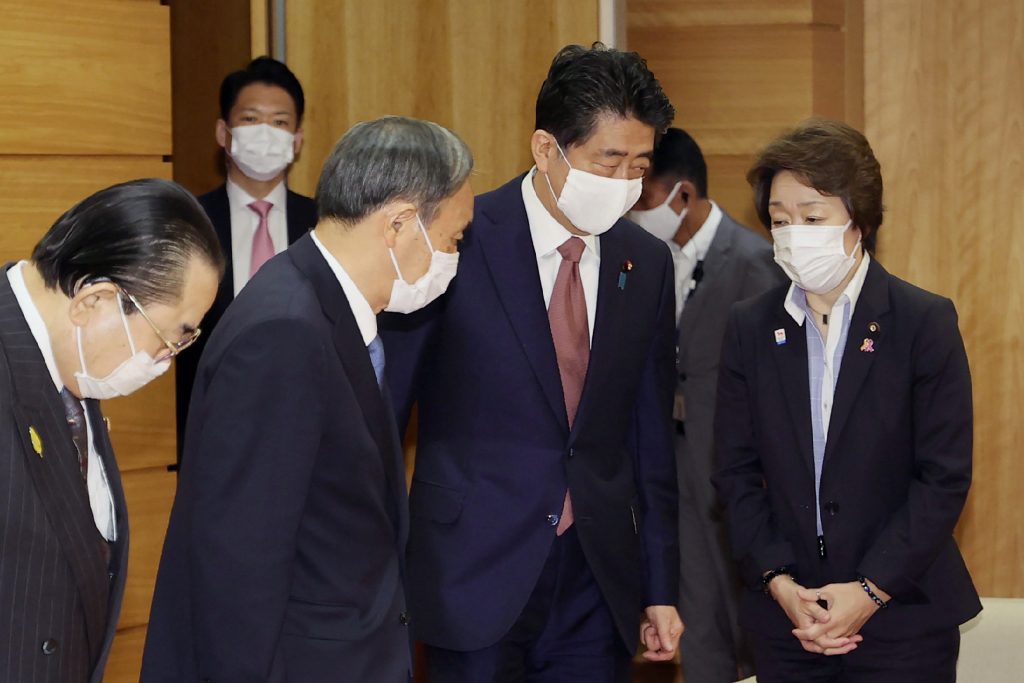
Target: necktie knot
{"points": [[572, 249], [262, 207]]}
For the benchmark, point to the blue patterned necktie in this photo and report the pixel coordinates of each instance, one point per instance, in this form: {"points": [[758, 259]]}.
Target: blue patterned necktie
{"points": [[376, 349]]}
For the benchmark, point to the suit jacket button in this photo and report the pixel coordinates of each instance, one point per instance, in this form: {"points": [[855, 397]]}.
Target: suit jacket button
{"points": [[572, 452], [832, 507], [49, 646], [404, 619], [552, 520]]}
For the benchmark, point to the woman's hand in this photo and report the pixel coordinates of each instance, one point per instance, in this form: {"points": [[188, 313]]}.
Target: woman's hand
{"points": [[849, 608], [807, 615]]}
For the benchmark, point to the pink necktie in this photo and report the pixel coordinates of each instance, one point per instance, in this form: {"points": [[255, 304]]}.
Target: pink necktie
{"points": [[567, 314], [262, 245]]}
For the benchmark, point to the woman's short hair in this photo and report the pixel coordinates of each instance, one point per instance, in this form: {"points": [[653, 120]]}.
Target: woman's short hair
{"points": [[833, 158]]}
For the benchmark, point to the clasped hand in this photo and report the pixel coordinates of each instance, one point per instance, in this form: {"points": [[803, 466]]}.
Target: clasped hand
{"points": [[832, 631]]}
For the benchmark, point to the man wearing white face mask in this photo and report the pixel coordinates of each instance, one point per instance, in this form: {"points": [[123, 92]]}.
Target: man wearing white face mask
{"points": [[543, 544], [284, 558], [113, 291], [254, 213], [717, 263]]}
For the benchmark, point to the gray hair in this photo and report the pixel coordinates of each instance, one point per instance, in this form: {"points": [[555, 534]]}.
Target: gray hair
{"points": [[392, 158]]}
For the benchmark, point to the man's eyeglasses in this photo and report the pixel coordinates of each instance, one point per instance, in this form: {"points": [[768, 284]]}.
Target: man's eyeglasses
{"points": [[173, 348]]}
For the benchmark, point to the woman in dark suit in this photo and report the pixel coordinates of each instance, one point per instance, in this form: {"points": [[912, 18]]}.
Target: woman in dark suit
{"points": [[843, 431]]}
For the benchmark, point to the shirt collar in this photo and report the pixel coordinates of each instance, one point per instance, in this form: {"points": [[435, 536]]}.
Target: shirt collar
{"points": [[701, 241], [366, 319], [796, 298], [34, 320], [239, 197], [547, 233]]}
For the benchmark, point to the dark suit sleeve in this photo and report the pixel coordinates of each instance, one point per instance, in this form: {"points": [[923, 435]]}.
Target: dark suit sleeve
{"points": [[408, 339], [655, 460], [942, 437], [739, 478], [247, 473]]}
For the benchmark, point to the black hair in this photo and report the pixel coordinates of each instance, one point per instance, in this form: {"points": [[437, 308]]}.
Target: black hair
{"points": [[585, 83], [261, 70], [139, 235], [678, 157]]}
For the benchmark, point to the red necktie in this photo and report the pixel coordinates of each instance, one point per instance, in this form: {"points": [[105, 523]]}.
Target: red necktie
{"points": [[262, 245], [567, 314]]}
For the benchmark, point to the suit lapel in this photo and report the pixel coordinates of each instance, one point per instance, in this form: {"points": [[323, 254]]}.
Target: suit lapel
{"points": [[872, 310], [219, 211], [508, 251], [791, 363], [607, 317], [298, 221], [714, 261], [351, 349], [52, 462]]}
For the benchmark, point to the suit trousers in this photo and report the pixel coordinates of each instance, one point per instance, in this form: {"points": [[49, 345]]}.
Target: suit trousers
{"points": [[565, 633], [929, 658]]}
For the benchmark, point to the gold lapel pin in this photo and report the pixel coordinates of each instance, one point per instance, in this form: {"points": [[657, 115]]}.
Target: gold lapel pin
{"points": [[874, 328], [37, 442]]}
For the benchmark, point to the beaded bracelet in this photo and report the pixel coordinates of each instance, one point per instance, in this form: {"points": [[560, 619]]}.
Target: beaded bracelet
{"points": [[773, 574], [882, 604]]}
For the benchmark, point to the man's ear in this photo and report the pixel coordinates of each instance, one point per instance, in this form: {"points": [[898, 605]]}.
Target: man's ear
{"points": [[223, 134], [299, 139], [686, 195], [543, 146], [91, 300], [397, 215]]}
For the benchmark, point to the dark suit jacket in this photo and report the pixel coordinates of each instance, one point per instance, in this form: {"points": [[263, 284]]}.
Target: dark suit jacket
{"points": [[301, 214], [283, 560], [897, 462], [57, 593], [495, 453], [739, 264]]}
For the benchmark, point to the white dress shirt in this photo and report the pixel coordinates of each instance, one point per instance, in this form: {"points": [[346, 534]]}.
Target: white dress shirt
{"points": [[100, 499], [685, 257], [839, 322], [548, 234], [245, 221], [366, 319]]}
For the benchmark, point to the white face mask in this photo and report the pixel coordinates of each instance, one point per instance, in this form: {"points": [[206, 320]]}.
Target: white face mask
{"points": [[262, 151], [813, 256], [130, 376], [406, 297], [593, 203], [661, 221]]}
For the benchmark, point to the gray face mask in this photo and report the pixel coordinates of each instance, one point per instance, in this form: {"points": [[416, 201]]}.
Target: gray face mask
{"points": [[134, 373]]}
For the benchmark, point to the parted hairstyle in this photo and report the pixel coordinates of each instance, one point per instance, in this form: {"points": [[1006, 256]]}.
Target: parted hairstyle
{"points": [[140, 235], [585, 83], [833, 158], [388, 159]]}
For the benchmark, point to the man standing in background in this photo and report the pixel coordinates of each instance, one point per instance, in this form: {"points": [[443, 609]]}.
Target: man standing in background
{"points": [[717, 263], [254, 213]]}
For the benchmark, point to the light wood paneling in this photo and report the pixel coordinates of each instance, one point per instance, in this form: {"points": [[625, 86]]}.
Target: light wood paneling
{"points": [[125, 663], [944, 110], [84, 77], [741, 71], [36, 190], [150, 494], [473, 66]]}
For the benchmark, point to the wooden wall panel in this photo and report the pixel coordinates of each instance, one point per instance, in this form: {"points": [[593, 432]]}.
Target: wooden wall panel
{"points": [[473, 66], [944, 110], [125, 663], [741, 71], [84, 77], [36, 190]]}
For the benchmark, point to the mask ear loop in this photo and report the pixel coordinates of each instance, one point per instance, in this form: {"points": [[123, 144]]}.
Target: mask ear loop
{"points": [[124, 322], [672, 194], [423, 229]]}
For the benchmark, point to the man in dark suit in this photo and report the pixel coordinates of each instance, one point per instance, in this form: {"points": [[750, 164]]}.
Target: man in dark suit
{"points": [[284, 559], [114, 290], [254, 212], [543, 504], [717, 263]]}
